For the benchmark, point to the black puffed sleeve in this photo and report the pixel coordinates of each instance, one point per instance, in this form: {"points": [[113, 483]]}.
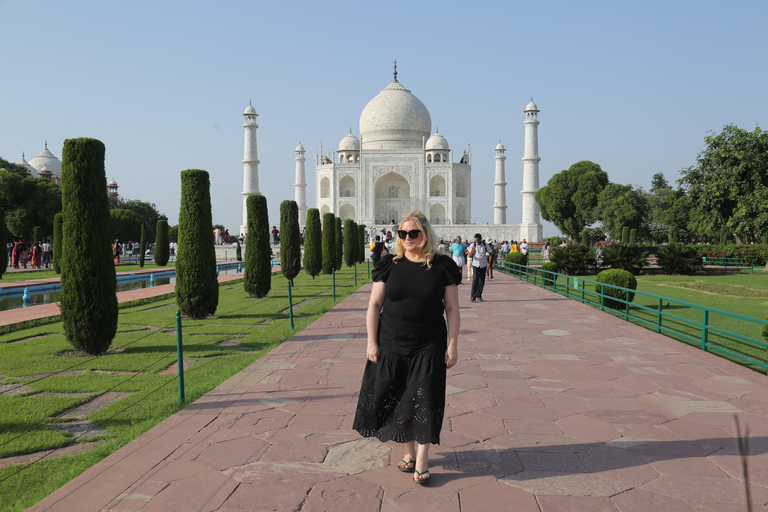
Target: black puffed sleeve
{"points": [[451, 271], [382, 269]]}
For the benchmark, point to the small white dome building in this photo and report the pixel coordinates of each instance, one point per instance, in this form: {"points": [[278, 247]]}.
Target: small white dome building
{"points": [[52, 164]]}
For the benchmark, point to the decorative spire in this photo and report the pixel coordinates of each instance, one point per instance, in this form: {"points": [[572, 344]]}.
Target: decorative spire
{"points": [[46, 143], [395, 73], [350, 130], [437, 129]]}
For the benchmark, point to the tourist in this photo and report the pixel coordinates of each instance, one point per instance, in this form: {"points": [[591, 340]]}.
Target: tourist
{"points": [[479, 253], [376, 250], [275, 235], [238, 250], [457, 250], [402, 396], [47, 252], [524, 247], [217, 236], [546, 251], [37, 253], [598, 254], [491, 259]]}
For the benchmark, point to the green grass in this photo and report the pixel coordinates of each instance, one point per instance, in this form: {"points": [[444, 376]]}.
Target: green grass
{"points": [[145, 344], [13, 277]]}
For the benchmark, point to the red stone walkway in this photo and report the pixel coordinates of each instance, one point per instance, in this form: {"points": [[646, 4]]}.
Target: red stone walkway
{"points": [[554, 406]]}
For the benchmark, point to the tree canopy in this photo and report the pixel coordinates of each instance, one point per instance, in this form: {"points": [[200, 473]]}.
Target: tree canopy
{"points": [[125, 225], [570, 197], [728, 186], [28, 202], [17, 169], [621, 206], [147, 211]]}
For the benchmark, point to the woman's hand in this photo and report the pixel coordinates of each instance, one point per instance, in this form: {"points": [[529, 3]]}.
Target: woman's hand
{"points": [[373, 352], [451, 355]]}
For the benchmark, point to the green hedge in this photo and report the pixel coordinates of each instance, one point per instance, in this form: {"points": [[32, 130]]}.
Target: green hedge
{"points": [[339, 244], [88, 283], [162, 249], [549, 279], [37, 234], [258, 252], [758, 252], [616, 277], [329, 243], [197, 287], [313, 249], [58, 241], [350, 246], [517, 258], [290, 243]]}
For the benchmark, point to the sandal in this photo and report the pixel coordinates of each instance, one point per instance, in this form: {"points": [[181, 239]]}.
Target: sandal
{"points": [[407, 466], [422, 481]]}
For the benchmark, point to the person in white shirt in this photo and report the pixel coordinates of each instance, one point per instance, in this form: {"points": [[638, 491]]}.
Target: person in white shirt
{"points": [[524, 247], [479, 252]]}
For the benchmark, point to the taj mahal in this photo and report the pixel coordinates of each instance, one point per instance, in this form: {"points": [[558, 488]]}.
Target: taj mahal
{"points": [[397, 165]]}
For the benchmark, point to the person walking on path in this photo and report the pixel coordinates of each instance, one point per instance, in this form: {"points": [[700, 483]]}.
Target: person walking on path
{"points": [[546, 252], [376, 250], [491, 258], [457, 252], [402, 395], [479, 252]]}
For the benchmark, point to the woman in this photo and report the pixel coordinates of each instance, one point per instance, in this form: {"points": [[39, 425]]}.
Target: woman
{"points": [[402, 396], [546, 251]]}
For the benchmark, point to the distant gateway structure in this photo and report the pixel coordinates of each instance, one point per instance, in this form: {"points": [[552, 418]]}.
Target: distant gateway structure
{"points": [[398, 165]]}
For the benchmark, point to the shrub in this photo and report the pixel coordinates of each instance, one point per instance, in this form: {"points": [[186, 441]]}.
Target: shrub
{"points": [[290, 243], [37, 234], [142, 245], [329, 242], [88, 282], [673, 234], [197, 288], [584, 237], [573, 259], [350, 247], [3, 243], [616, 277], [516, 258], [360, 244], [313, 250], [162, 249], [625, 235], [629, 257], [339, 244], [58, 239], [258, 252], [633, 236], [679, 259], [549, 279]]}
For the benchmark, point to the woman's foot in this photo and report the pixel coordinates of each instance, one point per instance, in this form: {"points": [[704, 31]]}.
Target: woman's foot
{"points": [[422, 477], [406, 466]]}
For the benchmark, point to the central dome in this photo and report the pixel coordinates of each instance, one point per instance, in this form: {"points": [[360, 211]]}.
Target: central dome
{"points": [[395, 119]]}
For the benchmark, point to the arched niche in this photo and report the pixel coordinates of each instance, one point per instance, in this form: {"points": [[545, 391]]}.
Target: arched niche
{"points": [[393, 198], [437, 186], [325, 209], [461, 214], [437, 214], [347, 211], [347, 186], [461, 187], [325, 187]]}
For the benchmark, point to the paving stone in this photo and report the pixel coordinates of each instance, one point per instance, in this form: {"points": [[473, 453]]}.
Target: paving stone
{"points": [[346, 493], [273, 497], [584, 427], [478, 425], [267, 473], [551, 503], [550, 482], [643, 500], [424, 499], [497, 496], [358, 456], [230, 454], [690, 466], [202, 493]]}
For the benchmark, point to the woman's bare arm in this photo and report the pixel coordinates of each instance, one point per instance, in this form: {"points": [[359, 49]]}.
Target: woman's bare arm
{"points": [[372, 320], [454, 321]]}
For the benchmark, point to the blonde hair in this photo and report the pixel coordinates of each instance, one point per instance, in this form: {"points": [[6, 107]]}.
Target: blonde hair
{"points": [[427, 245]]}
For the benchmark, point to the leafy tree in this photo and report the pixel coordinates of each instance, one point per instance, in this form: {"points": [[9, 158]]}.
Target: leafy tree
{"points": [[659, 182], [570, 198], [625, 235], [313, 248], [29, 202], [584, 237], [125, 224], [37, 234], [58, 241], [290, 247], [633, 236], [142, 245], [162, 249], [729, 183], [620, 206], [339, 244], [258, 252], [197, 288], [16, 169], [88, 282], [350, 242], [173, 233], [3, 243], [147, 211], [329, 243]]}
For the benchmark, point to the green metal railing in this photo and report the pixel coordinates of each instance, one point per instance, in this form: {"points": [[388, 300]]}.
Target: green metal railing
{"points": [[655, 312], [729, 262]]}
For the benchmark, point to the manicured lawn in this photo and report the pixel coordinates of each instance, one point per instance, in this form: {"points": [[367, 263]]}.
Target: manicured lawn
{"points": [[243, 330]]}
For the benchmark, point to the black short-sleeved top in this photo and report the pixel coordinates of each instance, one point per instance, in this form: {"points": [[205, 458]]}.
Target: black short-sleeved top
{"points": [[413, 296]]}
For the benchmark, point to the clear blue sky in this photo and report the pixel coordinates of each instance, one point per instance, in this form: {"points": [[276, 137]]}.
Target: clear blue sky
{"points": [[633, 86]]}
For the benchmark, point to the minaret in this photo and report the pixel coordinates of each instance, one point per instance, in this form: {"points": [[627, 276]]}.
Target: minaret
{"points": [[250, 162], [531, 228], [500, 186], [300, 186]]}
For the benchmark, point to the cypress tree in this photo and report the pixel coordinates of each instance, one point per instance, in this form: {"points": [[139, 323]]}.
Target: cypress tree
{"points": [[339, 244], [290, 247], [142, 245], [3, 244], [633, 236], [37, 234], [360, 244], [585, 238], [88, 282], [197, 288], [329, 243], [162, 249], [58, 239], [673, 234], [313, 250], [258, 252], [625, 235], [350, 245]]}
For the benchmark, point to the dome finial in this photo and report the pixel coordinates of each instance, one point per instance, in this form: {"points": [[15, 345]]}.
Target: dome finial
{"points": [[46, 143], [395, 73], [350, 130], [437, 129]]}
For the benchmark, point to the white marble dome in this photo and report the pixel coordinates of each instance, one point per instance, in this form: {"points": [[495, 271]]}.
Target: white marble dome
{"points": [[299, 148], [394, 119], [249, 111], [46, 159], [531, 107], [349, 143], [500, 147], [437, 141]]}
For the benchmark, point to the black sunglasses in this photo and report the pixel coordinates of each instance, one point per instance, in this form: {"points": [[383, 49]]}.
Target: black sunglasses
{"points": [[414, 233]]}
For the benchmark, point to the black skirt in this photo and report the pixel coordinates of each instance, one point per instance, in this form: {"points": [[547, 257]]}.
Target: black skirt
{"points": [[402, 397]]}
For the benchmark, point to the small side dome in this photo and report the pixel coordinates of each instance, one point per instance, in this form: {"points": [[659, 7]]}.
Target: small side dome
{"points": [[500, 147], [437, 141], [531, 107], [250, 111], [112, 183], [349, 143], [299, 148]]}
